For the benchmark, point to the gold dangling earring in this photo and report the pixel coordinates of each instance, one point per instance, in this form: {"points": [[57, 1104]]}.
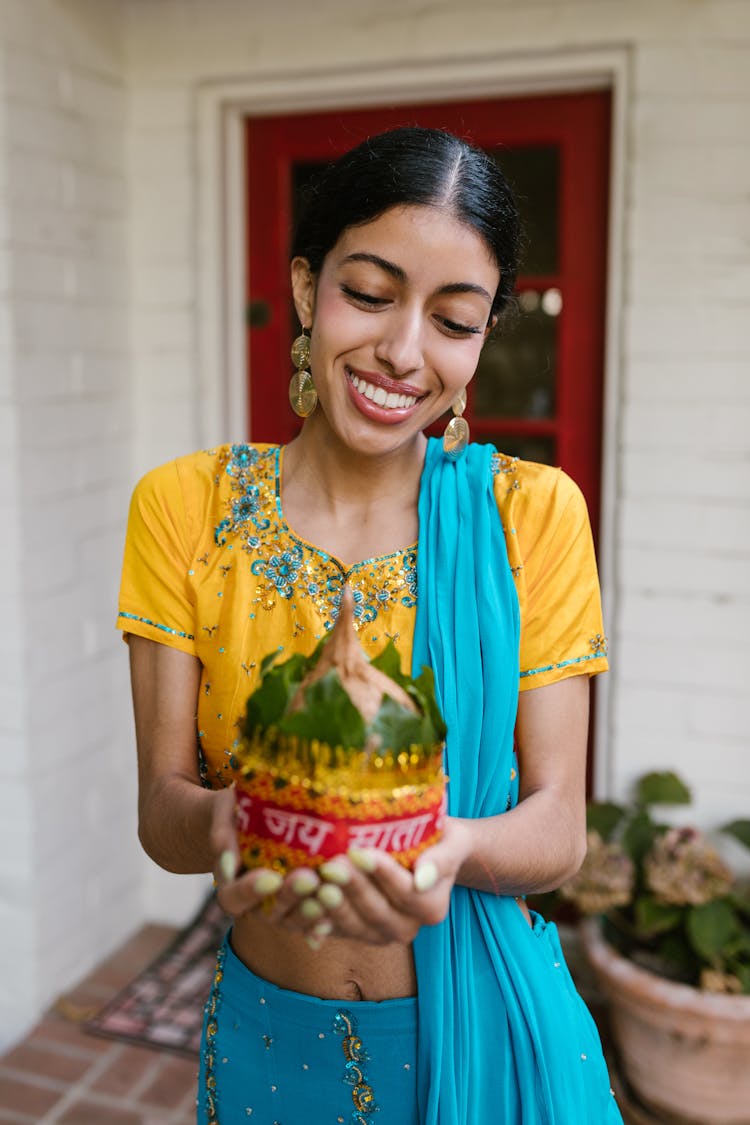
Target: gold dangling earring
{"points": [[456, 436], [302, 393]]}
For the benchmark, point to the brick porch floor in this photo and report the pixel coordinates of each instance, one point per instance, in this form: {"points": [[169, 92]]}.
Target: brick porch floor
{"points": [[60, 1074]]}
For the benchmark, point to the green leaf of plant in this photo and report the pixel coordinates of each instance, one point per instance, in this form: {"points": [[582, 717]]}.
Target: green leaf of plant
{"points": [[653, 917], [389, 662], [743, 972], [603, 817], [398, 728], [638, 836], [740, 829], [329, 715], [710, 928], [422, 690], [662, 789]]}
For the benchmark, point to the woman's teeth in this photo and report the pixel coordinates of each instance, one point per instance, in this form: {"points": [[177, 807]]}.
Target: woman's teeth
{"points": [[389, 399]]}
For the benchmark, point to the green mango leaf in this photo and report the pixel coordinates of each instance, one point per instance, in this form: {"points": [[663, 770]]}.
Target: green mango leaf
{"points": [[662, 789], [269, 701], [422, 689], [653, 917], [389, 662], [329, 715], [398, 728], [639, 836], [710, 928], [740, 829], [604, 817]]}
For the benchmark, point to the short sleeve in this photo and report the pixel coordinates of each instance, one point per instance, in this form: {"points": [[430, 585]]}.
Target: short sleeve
{"points": [[156, 597], [551, 553]]}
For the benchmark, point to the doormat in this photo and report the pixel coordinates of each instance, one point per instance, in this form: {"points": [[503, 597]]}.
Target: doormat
{"points": [[163, 1006]]}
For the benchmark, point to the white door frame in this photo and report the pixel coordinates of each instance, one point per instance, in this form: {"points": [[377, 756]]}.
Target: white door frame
{"points": [[221, 233]]}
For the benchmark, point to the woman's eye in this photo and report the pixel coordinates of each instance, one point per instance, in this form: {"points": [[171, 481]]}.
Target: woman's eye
{"points": [[363, 298], [459, 329]]}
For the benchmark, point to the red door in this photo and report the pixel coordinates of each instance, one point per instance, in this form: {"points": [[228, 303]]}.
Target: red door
{"points": [[538, 391]]}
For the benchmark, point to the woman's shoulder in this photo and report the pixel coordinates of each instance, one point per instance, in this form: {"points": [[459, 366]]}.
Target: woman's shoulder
{"points": [[207, 470], [535, 494]]}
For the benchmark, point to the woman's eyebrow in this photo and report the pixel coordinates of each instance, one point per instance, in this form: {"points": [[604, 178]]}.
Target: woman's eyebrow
{"points": [[383, 263], [396, 272]]}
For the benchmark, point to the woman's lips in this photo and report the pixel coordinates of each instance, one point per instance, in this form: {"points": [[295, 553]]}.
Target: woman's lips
{"points": [[381, 399]]}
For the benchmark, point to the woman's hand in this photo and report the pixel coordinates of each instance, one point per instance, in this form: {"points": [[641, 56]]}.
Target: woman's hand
{"points": [[365, 895]]}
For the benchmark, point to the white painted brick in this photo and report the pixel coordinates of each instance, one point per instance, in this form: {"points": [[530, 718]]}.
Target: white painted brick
{"points": [[715, 330], [165, 156], [165, 328], [96, 97], [668, 380], [668, 227], [720, 715], [705, 570], [683, 618], [716, 71], [722, 427], [708, 668], [687, 524], [160, 108], [164, 283], [713, 475], [689, 121]]}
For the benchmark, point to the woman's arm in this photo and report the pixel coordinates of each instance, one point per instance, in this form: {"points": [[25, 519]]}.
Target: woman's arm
{"points": [[174, 812], [533, 847], [542, 841]]}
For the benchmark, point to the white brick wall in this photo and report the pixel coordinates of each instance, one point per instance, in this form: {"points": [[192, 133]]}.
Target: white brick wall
{"points": [[70, 869], [100, 268]]}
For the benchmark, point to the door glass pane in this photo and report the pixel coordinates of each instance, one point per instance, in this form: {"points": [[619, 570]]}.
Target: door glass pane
{"points": [[517, 368], [528, 447], [534, 173]]}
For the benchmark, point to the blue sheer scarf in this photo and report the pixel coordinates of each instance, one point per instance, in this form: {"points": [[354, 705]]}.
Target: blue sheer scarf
{"points": [[503, 1035]]}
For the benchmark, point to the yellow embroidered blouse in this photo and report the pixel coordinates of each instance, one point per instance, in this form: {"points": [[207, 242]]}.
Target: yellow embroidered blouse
{"points": [[212, 568]]}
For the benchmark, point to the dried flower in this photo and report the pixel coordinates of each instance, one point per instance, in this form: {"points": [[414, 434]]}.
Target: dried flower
{"points": [[683, 869], [604, 880], [714, 981]]}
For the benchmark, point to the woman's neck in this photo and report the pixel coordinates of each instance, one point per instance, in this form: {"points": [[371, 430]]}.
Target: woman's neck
{"points": [[353, 506]]}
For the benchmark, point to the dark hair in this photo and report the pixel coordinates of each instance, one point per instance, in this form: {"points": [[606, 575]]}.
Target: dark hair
{"points": [[406, 166]]}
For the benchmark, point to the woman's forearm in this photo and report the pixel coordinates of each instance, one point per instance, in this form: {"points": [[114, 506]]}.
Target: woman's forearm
{"points": [[530, 849], [174, 825]]}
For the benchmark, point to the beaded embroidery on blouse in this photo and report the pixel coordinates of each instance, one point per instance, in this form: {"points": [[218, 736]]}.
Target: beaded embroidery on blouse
{"points": [[287, 567]]}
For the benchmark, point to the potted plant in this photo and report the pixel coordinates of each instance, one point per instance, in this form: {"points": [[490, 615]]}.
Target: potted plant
{"points": [[668, 936]]}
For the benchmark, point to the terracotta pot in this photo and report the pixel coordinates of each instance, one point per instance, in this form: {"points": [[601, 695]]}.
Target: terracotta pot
{"points": [[686, 1053]]}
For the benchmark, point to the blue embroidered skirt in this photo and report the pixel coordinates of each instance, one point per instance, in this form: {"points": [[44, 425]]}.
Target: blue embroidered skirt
{"points": [[278, 1057]]}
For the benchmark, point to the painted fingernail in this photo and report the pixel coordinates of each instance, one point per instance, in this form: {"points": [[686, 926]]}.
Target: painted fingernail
{"points": [[425, 876], [267, 882], [311, 908], [313, 942], [304, 883], [228, 865], [365, 861], [330, 895], [322, 929], [336, 872]]}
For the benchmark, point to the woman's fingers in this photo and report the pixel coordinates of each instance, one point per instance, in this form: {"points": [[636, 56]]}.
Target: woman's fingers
{"points": [[249, 890]]}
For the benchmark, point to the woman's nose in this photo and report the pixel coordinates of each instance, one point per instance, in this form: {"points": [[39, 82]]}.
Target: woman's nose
{"points": [[401, 344]]}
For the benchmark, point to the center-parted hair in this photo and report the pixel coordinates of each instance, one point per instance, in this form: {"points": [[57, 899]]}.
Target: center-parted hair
{"points": [[409, 166]]}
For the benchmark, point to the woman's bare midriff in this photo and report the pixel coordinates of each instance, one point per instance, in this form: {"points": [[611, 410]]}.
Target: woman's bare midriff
{"points": [[339, 970]]}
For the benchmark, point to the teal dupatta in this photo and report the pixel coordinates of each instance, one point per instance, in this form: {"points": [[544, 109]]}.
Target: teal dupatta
{"points": [[503, 1035]]}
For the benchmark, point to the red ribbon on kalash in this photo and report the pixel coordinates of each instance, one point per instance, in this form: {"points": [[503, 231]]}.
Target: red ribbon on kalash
{"points": [[274, 835]]}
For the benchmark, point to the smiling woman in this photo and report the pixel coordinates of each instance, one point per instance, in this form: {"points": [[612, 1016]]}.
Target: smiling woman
{"points": [[435, 993]]}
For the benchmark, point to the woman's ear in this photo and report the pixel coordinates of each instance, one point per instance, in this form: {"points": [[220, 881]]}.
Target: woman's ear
{"points": [[490, 325], [303, 290]]}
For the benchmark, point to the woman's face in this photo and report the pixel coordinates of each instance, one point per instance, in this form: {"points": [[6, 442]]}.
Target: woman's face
{"points": [[399, 313]]}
